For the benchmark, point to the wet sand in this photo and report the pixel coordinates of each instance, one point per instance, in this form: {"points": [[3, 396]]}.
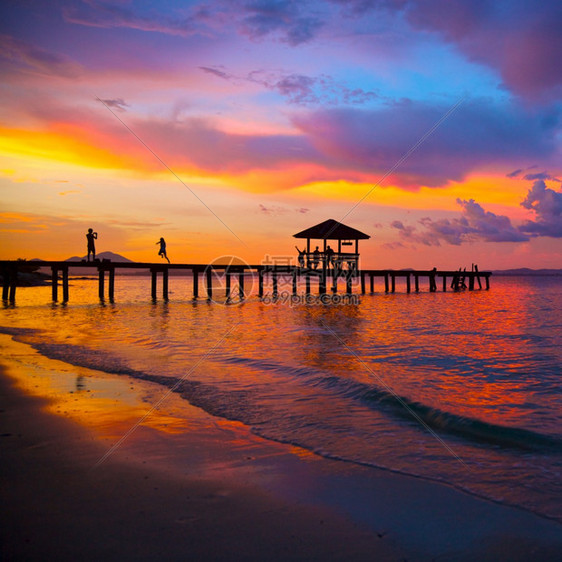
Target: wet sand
{"points": [[212, 491]]}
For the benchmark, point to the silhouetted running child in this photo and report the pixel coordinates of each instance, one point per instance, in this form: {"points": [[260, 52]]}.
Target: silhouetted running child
{"points": [[91, 236], [162, 251]]}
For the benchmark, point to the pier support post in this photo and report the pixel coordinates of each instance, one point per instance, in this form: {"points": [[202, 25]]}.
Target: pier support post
{"points": [[10, 283], [372, 283], [307, 289], [260, 283], [471, 282], [408, 284], [165, 284], [195, 274], [241, 285], [335, 275], [362, 282], [65, 284], [322, 282], [444, 283], [295, 280], [101, 285], [487, 282], [111, 273], [227, 294], [274, 279], [55, 283], [209, 283], [348, 287], [6, 283], [13, 285], [154, 284], [386, 282], [393, 281], [417, 283]]}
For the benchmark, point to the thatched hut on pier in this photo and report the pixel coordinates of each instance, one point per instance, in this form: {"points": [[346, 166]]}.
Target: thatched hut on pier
{"points": [[331, 229]]}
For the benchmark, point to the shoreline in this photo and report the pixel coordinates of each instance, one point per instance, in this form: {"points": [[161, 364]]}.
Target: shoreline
{"points": [[56, 506], [211, 490]]}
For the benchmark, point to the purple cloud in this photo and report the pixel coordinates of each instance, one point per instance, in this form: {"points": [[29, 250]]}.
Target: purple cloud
{"points": [[275, 210], [547, 206], [291, 21], [521, 41], [283, 17], [25, 57], [303, 90], [300, 89], [216, 72], [540, 176], [478, 133], [119, 104], [108, 14], [488, 226], [475, 224]]}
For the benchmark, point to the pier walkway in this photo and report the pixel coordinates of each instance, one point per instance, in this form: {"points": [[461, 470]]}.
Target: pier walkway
{"points": [[216, 276]]}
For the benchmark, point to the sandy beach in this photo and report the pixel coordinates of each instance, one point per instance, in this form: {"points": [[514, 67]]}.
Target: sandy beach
{"points": [[205, 489]]}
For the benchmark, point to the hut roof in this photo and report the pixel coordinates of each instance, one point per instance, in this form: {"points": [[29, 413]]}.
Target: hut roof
{"points": [[332, 230]]}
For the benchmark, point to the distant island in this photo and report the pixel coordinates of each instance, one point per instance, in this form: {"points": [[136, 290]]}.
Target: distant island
{"points": [[103, 256], [527, 271]]}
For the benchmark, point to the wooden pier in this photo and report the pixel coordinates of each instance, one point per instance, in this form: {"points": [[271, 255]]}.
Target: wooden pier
{"points": [[326, 279]]}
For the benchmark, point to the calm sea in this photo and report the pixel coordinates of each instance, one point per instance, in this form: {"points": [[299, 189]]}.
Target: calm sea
{"points": [[462, 388]]}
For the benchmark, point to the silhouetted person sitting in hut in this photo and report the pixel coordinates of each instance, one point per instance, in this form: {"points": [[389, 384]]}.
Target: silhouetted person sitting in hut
{"points": [[316, 258], [302, 253], [91, 236], [162, 251]]}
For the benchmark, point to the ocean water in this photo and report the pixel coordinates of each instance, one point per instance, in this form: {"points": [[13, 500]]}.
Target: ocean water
{"points": [[462, 388]]}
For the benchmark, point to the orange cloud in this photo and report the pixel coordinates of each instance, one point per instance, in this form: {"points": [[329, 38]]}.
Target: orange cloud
{"points": [[64, 143]]}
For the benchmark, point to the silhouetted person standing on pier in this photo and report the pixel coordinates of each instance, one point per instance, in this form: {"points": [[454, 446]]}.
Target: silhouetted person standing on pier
{"points": [[316, 258], [91, 236], [432, 283], [162, 251], [329, 257]]}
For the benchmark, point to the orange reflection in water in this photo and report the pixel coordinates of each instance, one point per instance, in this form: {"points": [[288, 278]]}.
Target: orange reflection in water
{"points": [[110, 406], [466, 353]]}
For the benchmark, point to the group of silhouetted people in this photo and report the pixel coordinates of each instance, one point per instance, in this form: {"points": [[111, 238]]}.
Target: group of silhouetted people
{"points": [[316, 255], [91, 236]]}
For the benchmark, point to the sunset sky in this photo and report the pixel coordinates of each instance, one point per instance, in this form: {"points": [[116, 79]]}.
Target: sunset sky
{"points": [[226, 127]]}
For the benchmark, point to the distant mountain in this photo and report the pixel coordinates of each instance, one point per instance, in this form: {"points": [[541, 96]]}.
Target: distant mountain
{"points": [[104, 256]]}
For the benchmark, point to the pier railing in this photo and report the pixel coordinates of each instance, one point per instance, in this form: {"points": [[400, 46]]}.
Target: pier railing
{"points": [[334, 260], [326, 276]]}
